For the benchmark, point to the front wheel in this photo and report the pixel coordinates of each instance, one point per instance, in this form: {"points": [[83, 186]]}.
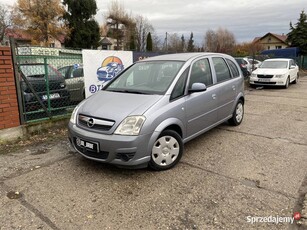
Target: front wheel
{"points": [[287, 83], [238, 114], [166, 151]]}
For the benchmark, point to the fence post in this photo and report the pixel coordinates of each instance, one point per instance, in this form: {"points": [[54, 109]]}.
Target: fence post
{"points": [[47, 84], [17, 80]]}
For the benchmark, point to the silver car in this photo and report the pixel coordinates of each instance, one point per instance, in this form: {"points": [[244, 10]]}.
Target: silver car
{"points": [[144, 116]]}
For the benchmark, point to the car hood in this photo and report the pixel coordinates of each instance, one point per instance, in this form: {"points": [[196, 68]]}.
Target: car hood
{"points": [[117, 106], [265, 71]]}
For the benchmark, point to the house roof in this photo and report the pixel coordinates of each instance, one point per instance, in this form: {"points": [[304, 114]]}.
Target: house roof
{"points": [[282, 37], [105, 41], [17, 34]]}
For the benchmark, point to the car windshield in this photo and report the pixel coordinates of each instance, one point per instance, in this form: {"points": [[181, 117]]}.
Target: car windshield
{"points": [[274, 64], [152, 77], [38, 70]]}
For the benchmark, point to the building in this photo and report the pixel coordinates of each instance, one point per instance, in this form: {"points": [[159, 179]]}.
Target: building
{"points": [[23, 38], [271, 41]]}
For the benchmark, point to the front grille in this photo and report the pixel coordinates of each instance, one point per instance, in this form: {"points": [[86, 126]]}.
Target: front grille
{"points": [[265, 83], [264, 76], [91, 153], [99, 124]]}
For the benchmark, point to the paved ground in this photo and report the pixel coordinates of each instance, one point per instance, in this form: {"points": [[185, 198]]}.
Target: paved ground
{"points": [[227, 178]]}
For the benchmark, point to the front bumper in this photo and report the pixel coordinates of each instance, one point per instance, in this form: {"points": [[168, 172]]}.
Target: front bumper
{"points": [[267, 81], [125, 151]]}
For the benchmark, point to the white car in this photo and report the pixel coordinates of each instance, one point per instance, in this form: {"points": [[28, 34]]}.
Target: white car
{"points": [[275, 72]]}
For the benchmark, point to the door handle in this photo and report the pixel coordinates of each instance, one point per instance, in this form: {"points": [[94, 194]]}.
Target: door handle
{"points": [[214, 96]]}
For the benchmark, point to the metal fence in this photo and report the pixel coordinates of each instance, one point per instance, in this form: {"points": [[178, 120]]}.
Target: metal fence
{"points": [[48, 86]]}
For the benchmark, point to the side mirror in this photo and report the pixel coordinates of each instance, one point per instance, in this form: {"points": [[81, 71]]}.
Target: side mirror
{"points": [[292, 67], [197, 87]]}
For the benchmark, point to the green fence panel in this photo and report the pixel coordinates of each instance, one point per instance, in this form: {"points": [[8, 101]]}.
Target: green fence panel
{"points": [[50, 85]]}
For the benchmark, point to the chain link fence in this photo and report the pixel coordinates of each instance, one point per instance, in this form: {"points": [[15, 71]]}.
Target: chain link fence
{"points": [[49, 85]]}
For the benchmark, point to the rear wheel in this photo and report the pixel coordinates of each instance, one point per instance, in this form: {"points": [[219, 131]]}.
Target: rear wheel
{"points": [[296, 79], [238, 114], [166, 151]]}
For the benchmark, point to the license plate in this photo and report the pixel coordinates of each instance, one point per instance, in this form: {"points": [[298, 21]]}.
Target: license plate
{"points": [[51, 96], [264, 79], [87, 144]]}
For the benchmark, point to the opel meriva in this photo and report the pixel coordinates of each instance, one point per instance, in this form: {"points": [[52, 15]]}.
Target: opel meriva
{"points": [[144, 116]]}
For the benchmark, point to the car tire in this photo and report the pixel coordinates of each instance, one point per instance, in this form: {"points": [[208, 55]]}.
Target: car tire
{"points": [[238, 114], [296, 79], [166, 151], [287, 83]]}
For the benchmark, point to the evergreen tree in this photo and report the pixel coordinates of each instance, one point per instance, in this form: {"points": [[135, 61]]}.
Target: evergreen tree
{"points": [[84, 28], [182, 43], [191, 43], [297, 37], [149, 42]]}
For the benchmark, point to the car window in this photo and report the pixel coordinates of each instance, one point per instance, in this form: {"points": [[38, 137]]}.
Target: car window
{"points": [[146, 77], [221, 69], [275, 64], [179, 88], [64, 71], [233, 68], [77, 72], [201, 73], [38, 70]]}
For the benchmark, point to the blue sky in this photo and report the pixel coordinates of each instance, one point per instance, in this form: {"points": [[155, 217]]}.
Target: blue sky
{"points": [[246, 19]]}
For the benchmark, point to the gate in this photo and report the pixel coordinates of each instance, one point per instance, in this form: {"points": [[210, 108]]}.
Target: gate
{"points": [[49, 82]]}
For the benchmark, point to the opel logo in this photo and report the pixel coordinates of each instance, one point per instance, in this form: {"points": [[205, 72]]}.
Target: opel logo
{"points": [[90, 123]]}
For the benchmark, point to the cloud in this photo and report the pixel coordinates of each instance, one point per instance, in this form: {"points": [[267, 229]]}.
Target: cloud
{"points": [[246, 19]]}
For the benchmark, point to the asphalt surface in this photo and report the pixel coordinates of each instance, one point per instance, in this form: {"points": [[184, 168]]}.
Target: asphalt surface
{"points": [[226, 179]]}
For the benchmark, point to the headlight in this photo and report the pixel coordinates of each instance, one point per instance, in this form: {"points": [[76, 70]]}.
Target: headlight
{"points": [[130, 126], [73, 118], [253, 75], [279, 75]]}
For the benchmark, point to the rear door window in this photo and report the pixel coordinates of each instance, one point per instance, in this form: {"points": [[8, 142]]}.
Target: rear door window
{"points": [[233, 68], [221, 69]]}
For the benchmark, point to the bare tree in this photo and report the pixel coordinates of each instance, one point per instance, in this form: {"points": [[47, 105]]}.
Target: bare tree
{"points": [[143, 27], [5, 20], [120, 24], [221, 41], [174, 43]]}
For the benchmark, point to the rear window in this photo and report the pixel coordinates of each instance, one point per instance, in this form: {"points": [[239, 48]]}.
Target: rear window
{"points": [[38, 70]]}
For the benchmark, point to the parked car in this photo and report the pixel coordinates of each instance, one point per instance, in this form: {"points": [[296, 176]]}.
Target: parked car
{"points": [[275, 72], [255, 63], [243, 66], [144, 115], [35, 76], [74, 79]]}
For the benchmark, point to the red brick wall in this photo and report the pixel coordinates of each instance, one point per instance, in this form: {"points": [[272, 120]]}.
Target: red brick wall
{"points": [[9, 115]]}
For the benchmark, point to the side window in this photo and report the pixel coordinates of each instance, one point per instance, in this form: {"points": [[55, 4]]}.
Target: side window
{"points": [[233, 68], [77, 72], [221, 69], [201, 73], [179, 88]]}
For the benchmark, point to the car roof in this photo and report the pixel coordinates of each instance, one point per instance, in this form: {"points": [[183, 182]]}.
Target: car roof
{"points": [[181, 56], [278, 59]]}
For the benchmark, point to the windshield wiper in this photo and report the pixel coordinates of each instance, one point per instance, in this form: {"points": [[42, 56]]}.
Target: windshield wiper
{"points": [[127, 91]]}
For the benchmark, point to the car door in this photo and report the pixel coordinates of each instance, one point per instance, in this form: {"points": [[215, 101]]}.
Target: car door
{"points": [[75, 83], [292, 71], [226, 86], [201, 107]]}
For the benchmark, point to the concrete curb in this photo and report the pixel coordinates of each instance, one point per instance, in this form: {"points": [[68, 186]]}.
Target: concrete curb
{"points": [[23, 131]]}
